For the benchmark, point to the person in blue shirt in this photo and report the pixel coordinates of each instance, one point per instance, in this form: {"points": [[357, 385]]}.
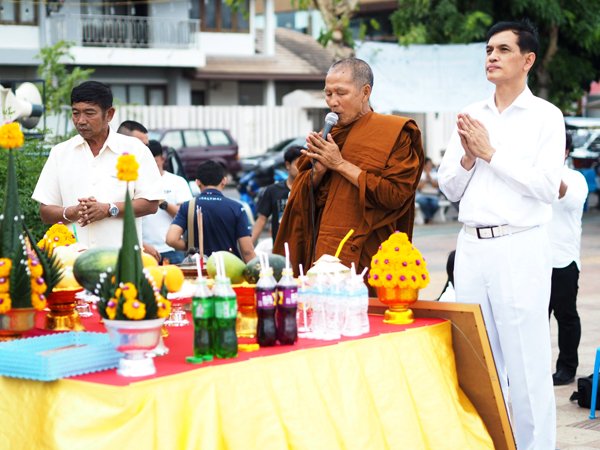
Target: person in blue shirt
{"points": [[225, 225]]}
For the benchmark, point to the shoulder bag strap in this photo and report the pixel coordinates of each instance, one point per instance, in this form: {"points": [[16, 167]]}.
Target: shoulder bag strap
{"points": [[191, 225]]}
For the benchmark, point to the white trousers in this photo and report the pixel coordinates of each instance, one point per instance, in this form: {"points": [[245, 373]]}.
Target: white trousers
{"points": [[510, 278]]}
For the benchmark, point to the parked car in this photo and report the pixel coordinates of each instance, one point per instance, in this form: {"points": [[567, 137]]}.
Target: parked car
{"points": [[585, 132], [194, 146], [272, 157]]}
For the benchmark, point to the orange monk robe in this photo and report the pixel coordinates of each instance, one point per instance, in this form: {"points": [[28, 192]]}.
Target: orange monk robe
{"points": [[389, 151]]}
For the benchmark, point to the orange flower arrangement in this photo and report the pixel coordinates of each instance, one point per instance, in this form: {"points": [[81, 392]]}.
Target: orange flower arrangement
{"points": [[398, 263]]}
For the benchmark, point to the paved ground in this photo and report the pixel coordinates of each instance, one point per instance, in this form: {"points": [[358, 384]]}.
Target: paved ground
{"points": [[575, 430]]}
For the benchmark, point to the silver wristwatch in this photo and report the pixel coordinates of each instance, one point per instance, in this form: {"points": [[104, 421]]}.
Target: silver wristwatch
{"points": [[113, 210]]}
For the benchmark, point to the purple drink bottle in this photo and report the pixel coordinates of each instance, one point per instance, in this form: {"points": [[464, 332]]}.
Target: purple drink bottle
{"points": [[266, 332], [287, 290]]}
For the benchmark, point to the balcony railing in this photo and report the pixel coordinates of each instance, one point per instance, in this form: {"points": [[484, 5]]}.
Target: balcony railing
{"points": [[94, 30]]}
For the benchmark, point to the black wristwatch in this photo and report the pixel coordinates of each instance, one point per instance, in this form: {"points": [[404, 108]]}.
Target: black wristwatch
{"points": [[163, 205]]}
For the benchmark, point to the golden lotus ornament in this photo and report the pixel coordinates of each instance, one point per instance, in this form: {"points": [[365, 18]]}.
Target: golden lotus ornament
{"points": [[63, 315], [16, 322], [398, 301]]}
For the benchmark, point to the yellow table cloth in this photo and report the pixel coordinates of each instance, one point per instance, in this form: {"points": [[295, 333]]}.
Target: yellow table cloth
{"points": [[393, 391]]}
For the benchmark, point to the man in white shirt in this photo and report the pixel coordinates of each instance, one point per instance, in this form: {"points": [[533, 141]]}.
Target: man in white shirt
{"points": [[503, 163], [155, 226], [565, 236], [134, 129], [78, 184]]}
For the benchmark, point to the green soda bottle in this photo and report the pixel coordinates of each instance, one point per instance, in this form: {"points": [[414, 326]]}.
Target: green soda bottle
{"points": [[226, 343], [203, 313]]}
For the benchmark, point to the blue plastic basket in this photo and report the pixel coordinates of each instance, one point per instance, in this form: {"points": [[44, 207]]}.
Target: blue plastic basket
{"points": [[55, 356]]}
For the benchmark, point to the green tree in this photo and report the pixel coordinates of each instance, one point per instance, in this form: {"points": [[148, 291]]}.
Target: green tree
{"points": [[336, 14], [59, 80], [569, 57]]}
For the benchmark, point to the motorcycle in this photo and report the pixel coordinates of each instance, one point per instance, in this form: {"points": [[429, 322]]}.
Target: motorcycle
{"points": [[253, 183]]}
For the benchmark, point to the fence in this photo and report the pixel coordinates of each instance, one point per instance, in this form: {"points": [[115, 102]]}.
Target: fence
{"points": [[94, 30], [254, 127]]}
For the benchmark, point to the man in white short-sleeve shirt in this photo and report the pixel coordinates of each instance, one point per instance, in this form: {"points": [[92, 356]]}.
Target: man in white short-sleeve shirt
{"points": [[565, 238], [503, 163], [176, 191], [78, 184]]}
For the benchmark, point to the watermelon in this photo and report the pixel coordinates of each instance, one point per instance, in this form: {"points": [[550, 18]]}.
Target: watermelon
{"points": [[234, 266], [91, 263], [252, 270]]}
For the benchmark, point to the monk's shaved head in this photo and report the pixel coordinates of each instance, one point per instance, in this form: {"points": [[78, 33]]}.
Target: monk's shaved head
{"points": [[361, 71]]}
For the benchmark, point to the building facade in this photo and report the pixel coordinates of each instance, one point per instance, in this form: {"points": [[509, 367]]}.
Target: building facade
{"points": [[163, 53]]}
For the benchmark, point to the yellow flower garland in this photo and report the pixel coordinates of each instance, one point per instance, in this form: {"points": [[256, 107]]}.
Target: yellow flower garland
{"points": [[5, 302], [164, 306], [11, 136], [127, 167], [5, 266], [134, 309]]}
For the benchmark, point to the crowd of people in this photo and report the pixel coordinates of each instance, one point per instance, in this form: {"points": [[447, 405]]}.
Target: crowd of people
{"points": [[517, 253]]}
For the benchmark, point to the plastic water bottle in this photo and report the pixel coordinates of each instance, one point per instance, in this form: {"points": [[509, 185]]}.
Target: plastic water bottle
{"points": [[319, 292], [203, 313], [333, 303], [304, 310], [226, 343], [363, 295], [353, 322], [266, 333], [287, 291]]}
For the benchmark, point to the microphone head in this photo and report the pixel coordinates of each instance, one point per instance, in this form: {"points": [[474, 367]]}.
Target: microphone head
{"points": [[331, 118]]}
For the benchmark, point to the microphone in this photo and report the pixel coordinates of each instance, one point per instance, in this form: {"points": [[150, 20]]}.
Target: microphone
{"points": [[330, 121]]}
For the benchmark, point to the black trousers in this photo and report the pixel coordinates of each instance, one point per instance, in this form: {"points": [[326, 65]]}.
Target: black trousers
{"points": [[563, 302]]}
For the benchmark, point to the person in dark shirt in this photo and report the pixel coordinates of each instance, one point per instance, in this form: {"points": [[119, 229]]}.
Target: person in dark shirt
{"points": [[224, 222], [274, 198]]}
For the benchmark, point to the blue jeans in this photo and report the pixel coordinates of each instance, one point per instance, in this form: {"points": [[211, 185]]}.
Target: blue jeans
{"points": [[429, 204], [174, 256]]}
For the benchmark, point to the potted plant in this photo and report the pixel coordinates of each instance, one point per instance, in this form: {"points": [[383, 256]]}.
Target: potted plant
{"points": [[27, 272]]}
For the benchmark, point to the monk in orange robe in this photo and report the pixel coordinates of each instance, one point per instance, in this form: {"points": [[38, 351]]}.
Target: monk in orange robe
{"points": [[361, 176]]}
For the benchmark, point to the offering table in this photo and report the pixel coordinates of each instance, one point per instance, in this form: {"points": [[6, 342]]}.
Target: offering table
{"points": [[396, 387]]}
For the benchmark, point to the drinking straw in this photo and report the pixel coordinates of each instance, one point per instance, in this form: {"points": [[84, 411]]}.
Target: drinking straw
{"points": [[197, 257], [222, 264], [339, 249], [362, 274], [287, 255], [218, 265], [353, 273], [200, 235]]}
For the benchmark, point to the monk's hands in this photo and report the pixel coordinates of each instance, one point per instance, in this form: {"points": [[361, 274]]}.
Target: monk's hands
{"points": [[475, 140], [90, 210], [325, 152]]}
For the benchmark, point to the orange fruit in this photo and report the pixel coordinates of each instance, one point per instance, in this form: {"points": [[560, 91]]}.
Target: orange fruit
{"points": [[158, 274], [174, 278], [148, 260]]}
